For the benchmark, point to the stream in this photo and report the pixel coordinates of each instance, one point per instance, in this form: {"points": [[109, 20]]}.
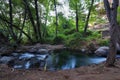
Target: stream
{"points": [[55, 61]]}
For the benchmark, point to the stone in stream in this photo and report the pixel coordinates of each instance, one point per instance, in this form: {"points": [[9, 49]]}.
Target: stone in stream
{"points": [[42, 51], [6, 59], [102, 51], [28, 60], [36, 63], [16, 63], [26, 56]]}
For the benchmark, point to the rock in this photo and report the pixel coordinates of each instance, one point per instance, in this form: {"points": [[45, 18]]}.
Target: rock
{"points": [[15, 54], [26, 56], [6, 59], [118, 48], [42, 57], [32, 50], [28, 60], [91, 48], [102, 51], [42, 51], [34, 62], [20, 64], [83, 50]]}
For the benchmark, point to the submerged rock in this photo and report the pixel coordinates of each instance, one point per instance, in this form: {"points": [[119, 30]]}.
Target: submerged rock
{"points": [[102, 51], [26, 60], [6, 59]]}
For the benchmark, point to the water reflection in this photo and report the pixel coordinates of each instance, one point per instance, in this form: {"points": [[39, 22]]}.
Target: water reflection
{"points": [[68, 61], [56, 61]]}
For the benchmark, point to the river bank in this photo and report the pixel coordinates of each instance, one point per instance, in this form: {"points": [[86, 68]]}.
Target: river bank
{"points": [[92, 72]]}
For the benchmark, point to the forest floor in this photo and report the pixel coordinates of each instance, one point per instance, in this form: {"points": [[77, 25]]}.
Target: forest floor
{"points": [[92, 72]]}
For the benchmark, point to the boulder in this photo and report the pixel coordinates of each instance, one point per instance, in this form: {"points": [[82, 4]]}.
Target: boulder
{"points": [[42, 51], [102, 51]]}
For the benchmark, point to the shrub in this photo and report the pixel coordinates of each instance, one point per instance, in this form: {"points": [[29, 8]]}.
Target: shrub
{"points": [[74, 40], [103, 42], [59, 39], [69, 31]]}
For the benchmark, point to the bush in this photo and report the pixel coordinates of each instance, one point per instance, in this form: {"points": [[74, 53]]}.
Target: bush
{"points": [[103, 42], [74, 40], [59, 39], [47, 40], [69, 31], [93, 35]]}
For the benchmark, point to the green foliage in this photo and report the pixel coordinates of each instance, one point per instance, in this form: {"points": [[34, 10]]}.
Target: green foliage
{"points": [[118, 14], [103, 42], [69, 31], [78, 40], [74, 39], [66, 25], [93, 35], [47, 40], [59, 39]]}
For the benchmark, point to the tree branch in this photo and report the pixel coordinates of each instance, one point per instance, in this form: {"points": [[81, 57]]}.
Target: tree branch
{"points": [[17, 28]]}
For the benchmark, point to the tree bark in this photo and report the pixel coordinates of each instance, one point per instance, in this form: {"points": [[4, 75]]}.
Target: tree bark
{"points": [[56, 18], [77, 19], [11, 22], [8, 22], [88, 16], [112, 17], [23, 23], [38, 21], [31, 18]]}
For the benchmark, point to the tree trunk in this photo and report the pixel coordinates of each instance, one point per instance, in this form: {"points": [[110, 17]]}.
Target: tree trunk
{"points": [[77, 19], [88, 16], [113, 49], [31, 19], [38, 21], [112, 17], [46, 18], [11, 22], [6, 21], [56, 18], [23, 23]]}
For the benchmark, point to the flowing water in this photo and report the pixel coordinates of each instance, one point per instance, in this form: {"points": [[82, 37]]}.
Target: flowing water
{"points": [[55, 61]]}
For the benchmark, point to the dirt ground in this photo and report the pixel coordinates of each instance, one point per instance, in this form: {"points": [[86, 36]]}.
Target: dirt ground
{"points": [[92, 72]]}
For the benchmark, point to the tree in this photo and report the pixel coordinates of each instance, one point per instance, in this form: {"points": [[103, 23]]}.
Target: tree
{"points": [[56, 18], [38, 21], [111, 12], [76, 6], [11, 21], [88, 16]]}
